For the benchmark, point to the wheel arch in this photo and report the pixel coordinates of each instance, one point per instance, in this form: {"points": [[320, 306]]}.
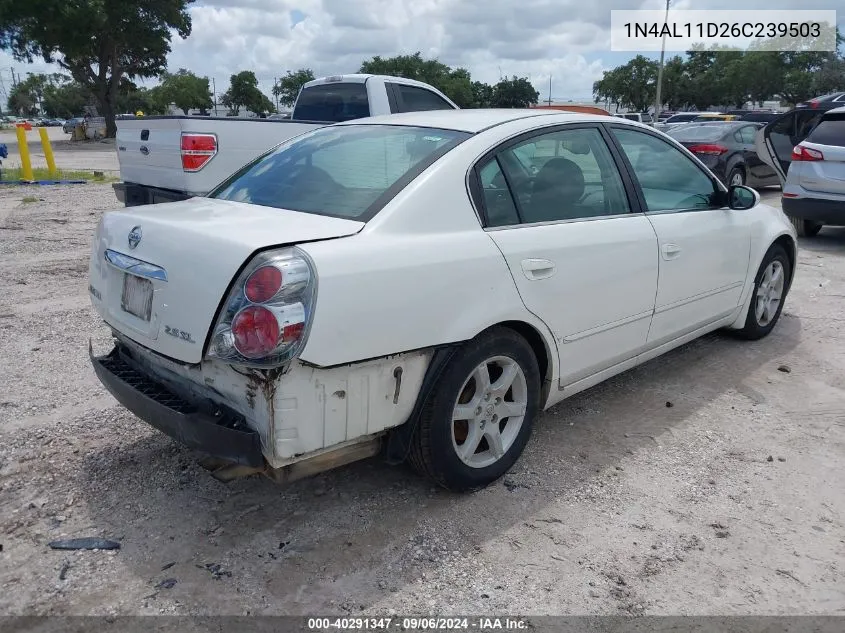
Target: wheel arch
{"points": [[544, 349]]}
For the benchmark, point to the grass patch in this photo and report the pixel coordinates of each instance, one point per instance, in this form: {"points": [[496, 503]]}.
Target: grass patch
{"points": [[14, 174], [29, 199]]}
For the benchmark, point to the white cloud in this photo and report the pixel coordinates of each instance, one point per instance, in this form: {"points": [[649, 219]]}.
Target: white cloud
{"points": [[565, 39]]}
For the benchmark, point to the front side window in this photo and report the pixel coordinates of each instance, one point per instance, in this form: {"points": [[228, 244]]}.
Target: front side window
{"points": [[562, 175], [343, 171], [668, 178]]}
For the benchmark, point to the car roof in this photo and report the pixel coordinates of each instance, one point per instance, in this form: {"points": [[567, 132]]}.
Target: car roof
{"points": [[473, 120]]}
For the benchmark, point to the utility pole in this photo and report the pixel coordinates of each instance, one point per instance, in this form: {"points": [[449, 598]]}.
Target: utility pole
{"points": [[214, 95], [275, 92], [658, 96], [550, 90]]}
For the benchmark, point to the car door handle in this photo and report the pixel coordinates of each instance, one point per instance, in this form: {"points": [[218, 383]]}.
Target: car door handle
{"points": [[671, 251], [538, 268]]}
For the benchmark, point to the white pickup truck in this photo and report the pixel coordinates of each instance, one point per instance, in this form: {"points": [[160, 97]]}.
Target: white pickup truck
{"points": [[170, 158]]}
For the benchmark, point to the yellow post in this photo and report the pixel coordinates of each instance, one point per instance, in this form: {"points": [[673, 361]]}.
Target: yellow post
{"points": [[48, 151], [23, 149]]}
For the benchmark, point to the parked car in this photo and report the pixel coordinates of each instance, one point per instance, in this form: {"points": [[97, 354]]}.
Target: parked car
{"points": [[759, 116], [728, 149], [677, 119], [828, 101], [71, 124], [806, 148], [639, 117], [424, 282], [163, 159]]}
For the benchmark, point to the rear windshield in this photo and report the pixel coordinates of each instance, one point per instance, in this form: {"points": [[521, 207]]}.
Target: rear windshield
{"points": [[698, 133], [339, 171], [333, 102], [831, 131]]}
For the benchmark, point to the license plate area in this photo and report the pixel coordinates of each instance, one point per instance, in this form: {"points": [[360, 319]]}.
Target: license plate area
{"points": [[137, 296]]}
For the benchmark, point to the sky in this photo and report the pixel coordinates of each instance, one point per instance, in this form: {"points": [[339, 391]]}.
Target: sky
{"points": [[567, 40]]}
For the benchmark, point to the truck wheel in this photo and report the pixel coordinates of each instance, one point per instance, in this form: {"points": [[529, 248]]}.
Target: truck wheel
{"points": [[806, 228], [768, 295], [479, 415]]}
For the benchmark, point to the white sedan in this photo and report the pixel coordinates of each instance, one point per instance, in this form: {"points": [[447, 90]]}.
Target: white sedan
{"points": [[423, 284]]}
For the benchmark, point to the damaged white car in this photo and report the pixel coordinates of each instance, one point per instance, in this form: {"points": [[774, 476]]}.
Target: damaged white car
{"points": [[424, 284]]}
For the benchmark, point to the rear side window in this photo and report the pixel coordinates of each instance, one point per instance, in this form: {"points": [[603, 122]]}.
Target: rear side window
{"points": [[333, 102], [419, 99], [345, 171], [831, 131]]}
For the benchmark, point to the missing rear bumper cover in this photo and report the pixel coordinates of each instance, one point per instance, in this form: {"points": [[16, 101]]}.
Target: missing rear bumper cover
{"points": [[210, 429]]}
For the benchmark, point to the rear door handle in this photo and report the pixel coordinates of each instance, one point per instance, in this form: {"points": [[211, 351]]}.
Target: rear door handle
{"points": [[538, 268], [671, 251]]}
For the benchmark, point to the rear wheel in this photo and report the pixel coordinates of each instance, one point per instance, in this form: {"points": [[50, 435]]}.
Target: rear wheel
{"points": [[479, 415], [806, 228], [770, 288], [736, 177]]}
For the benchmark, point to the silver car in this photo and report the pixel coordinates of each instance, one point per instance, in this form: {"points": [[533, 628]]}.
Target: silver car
{"points": [[807, 150]]}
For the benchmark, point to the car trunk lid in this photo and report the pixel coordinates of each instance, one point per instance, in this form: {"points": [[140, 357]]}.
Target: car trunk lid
{"points": [[159, 272]]}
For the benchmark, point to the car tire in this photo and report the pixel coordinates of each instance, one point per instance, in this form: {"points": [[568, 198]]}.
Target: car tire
{"points": [[736, 174], [806, 228], [463, 454], [771, 280]]}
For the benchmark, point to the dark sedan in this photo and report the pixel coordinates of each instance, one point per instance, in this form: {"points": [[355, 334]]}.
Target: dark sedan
{"points": [[728, 149]]}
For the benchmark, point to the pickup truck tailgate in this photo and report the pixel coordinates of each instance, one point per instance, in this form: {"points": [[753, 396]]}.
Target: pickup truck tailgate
{"points": [[149, 152], [150, 148]]}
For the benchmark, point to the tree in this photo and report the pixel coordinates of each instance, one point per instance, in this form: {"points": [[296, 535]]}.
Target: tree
{"points": [[99, 42], [65, 99], [287, 90], [243, 92], [454, 83], [187, 91], [482, 95], [516, 92], [22, 101]]}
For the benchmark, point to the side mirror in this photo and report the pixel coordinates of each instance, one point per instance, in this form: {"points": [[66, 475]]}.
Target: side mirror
{"points": [[741, 197]]}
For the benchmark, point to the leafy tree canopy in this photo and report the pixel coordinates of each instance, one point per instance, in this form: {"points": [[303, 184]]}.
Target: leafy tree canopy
{"points": [[287, 90]]}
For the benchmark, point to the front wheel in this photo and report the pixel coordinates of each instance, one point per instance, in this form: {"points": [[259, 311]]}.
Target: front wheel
{"points": [[806, 228], [478, 417], [768, 295]]}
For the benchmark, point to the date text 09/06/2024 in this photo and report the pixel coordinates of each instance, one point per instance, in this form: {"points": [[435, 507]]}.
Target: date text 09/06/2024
{"points": [[418, 624], [687, 30]]}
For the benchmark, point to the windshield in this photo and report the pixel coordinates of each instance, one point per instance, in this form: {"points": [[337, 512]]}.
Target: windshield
{"points": [[698, 133], [340, 171]]}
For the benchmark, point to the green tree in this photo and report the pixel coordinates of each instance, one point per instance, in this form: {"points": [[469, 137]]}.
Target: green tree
{"points": [[22, 101], [186, 90], [65, 99], [99, 42], [482, 95], [516, 92], [454, 83], [243, 92], [287, 90]]}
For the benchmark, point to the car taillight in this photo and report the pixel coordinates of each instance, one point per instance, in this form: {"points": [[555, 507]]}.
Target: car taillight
{"points": [[264, 321], [806, 154], [197, 150], [708, 149]]}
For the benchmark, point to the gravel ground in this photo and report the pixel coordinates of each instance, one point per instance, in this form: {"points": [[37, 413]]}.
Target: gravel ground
{"points": [[708, 481]]}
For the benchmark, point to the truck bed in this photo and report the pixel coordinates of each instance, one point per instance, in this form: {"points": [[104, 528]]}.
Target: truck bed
{"points": [[149, 151]]}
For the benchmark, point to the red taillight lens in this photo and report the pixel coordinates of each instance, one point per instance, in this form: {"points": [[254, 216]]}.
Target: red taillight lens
{"points": [[197, 150], [256, 331], [805, 154], [708, 149], [292, 332], [263, 284]]}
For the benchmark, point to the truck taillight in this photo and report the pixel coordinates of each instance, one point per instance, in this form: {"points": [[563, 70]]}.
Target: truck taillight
{"points": [[806, 154], [197, 150], [264, 321]]}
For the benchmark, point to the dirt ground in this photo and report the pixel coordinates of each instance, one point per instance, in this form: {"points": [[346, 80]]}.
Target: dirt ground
{"points": [[708, 481]]}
